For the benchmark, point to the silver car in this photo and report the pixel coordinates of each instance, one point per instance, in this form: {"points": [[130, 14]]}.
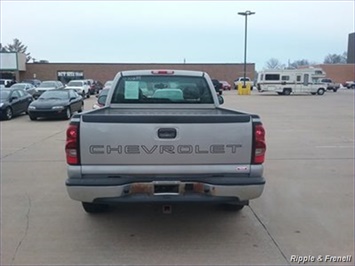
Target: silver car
{"points": [[47, 85], [29, 88]]}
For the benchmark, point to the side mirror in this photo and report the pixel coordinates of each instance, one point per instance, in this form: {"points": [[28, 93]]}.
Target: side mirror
{"points": [[220, 99], [102, 99]]}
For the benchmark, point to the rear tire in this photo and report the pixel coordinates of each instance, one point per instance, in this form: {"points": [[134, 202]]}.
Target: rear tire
{"points": [[67, 114], [94, 208], [320, 91], [287, 91], [8, 113], [81, 108], [33, 118], [313, 93], [234, 206]]}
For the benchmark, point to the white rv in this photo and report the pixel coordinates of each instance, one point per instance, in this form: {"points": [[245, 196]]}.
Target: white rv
{"points": [[287, 81]]}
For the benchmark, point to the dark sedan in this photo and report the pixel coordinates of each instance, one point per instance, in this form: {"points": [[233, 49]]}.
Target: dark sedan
{"points": [[13, 102], [56, 103]]}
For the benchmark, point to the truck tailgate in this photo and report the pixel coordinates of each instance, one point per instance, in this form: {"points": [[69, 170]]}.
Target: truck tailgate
{"points": [[165, 137]]}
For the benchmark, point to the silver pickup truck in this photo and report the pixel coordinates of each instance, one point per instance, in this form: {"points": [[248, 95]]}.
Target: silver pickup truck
{"points": [[163, 137]]}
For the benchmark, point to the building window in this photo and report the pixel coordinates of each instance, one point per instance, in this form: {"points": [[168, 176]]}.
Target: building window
{"points": [[66, 76]]}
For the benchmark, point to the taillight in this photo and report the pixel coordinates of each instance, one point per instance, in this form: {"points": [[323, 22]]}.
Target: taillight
{"points": [[259, 144], [162, 72], [71, 146]]}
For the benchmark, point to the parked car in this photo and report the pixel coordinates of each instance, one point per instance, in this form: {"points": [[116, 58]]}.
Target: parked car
{"points": [[28, 87], [95, 86], [108, 84], [217, 86], [331, 85], [225, 85], [82, 87], [5, 83], [13, 102], [98, 85], [56, 103], [101, 99], [349, 84], [241, 81], [48, 85], [90, 83], [34, 82]]}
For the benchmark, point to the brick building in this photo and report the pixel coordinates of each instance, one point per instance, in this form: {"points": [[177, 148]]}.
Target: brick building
{"points": [[104, 72], [339, 72]]}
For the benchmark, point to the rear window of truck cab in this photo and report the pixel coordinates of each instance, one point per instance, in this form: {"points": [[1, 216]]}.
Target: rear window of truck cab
{"points": [[162, 89]]}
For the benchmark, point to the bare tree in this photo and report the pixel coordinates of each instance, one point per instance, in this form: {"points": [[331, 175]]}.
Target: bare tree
{"points": [[298, 63], [274, 63], [2, 48], [335, 58], [18, 47]]}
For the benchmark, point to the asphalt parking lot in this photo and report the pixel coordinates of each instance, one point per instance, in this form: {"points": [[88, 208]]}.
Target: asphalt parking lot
{"points": [[306, 211]]}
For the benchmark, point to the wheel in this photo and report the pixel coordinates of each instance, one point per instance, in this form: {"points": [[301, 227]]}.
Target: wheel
{"points": [[68, 113], [8, 113], [94, 208], [313, 93], [287, 91], [234, 206], [33, 118], [335, 90], [88, 95], [81, 108], [320, 91], [279, 93]]}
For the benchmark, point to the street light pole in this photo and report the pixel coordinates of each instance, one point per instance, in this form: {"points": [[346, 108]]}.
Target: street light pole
{"points": [[245, 14]]}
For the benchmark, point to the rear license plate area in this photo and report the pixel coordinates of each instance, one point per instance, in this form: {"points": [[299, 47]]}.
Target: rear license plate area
{"points": [[166, 189]]}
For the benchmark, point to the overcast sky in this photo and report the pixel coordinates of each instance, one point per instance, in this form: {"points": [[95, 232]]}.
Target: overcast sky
{"points": [[171, 31]]}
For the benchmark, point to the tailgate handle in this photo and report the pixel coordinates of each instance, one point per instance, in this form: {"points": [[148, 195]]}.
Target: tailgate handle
{"points": [[167, 133]]}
